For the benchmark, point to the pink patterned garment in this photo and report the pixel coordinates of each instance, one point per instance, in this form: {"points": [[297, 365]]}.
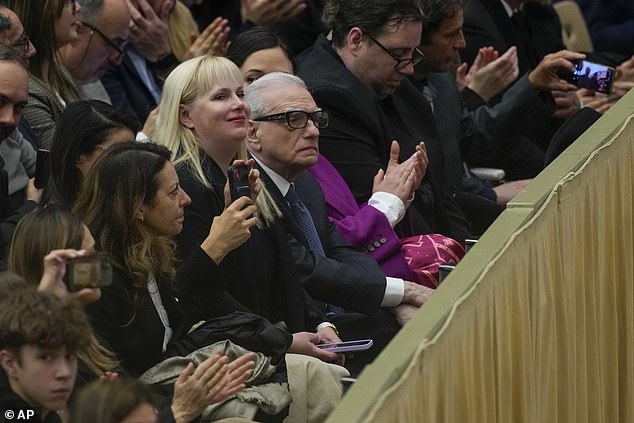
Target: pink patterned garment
{"points": [[424, 253]]}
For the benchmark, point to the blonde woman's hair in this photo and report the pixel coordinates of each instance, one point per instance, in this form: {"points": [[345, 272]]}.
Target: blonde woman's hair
{"points": [[183, 85]]}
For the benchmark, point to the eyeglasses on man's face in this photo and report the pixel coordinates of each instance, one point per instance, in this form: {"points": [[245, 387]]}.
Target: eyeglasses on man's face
{"points": [[401, 62], [119, 48], [298, 119], [22, 44]]}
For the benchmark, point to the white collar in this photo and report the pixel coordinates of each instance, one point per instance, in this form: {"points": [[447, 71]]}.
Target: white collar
{"points": [[509, 10], [280, 182]]}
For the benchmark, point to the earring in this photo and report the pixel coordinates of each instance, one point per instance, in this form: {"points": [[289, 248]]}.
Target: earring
{"points": [[141, 218]]}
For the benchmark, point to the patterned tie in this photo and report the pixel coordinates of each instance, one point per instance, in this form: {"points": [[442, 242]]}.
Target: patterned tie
{"points": [[307, 226], [304, 221]]}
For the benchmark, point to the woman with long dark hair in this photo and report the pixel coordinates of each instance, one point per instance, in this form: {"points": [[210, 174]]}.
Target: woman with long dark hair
{"points": [[85, 130]]}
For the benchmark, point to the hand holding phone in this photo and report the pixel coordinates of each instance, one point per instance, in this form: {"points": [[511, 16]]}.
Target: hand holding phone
{"points": [[592, 76], [347, 346], [238, 177], [88, 271]]}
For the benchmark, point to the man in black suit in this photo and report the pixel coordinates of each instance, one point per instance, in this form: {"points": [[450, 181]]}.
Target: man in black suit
{"points": [[360, 79], [534, 28], [283, 138], [486, 136]]}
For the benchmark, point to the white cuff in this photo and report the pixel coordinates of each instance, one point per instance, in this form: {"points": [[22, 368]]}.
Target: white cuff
{"points": [[388, 204], [324, 325], [394, 292], [141, 137]]}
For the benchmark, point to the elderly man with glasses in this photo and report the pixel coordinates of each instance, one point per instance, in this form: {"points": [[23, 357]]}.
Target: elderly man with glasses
{"points": [[282, 136], [361, 77], [103, 36]]}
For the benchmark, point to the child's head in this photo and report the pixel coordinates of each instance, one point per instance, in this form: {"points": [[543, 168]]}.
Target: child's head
{"points": [[39, 337]]}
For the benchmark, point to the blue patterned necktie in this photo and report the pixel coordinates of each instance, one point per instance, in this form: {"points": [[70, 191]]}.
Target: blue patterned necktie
{"points": [[304, 221], [307, 226]]}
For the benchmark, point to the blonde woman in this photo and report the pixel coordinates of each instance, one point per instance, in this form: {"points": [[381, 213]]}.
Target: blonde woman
{"points": [[202, 120]]}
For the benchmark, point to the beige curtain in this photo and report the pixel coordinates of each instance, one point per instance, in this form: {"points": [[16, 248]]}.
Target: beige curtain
{"points": [[545, 334]]}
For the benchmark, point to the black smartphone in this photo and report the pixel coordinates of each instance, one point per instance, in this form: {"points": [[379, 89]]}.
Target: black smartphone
{"points": [[593, 76], [41, 168], [89, 271], [238, 176]]}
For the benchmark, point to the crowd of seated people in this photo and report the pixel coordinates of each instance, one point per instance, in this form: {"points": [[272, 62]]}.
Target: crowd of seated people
{"points": [[140, 287]]}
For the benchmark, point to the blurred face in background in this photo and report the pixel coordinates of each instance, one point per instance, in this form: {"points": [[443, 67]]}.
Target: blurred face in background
{"points": [[265, 61], [100, 43], [66, 24], [16, 36], [14, 91]]}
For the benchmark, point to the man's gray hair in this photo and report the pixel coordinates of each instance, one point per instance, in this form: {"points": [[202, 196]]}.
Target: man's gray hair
{"points": [[254, 95], [90, 10]]}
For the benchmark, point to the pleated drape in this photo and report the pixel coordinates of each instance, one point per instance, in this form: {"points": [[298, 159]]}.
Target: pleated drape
{"points": [[545, 334]]}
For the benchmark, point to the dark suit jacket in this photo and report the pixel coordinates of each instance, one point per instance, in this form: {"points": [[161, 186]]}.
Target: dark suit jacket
{"points": [[345, 277], [486, 136], [357, 140], [127, 90], [611, 24], [260, 274], [536, 31]]}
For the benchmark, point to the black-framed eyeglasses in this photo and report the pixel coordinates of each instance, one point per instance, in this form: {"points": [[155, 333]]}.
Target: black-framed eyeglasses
{"points": [[119, 48], [401, 62], [298, 119], [22, 45]]}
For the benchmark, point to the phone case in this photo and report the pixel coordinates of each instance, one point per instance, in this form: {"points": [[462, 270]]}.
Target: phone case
{"points": [[238, 176]]}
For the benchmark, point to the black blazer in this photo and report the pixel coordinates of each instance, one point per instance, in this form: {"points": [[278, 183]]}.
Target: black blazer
{"points": [[536, 31], [127, 90], [260, 274], [345, 277], [132, 327], [357, 140]]}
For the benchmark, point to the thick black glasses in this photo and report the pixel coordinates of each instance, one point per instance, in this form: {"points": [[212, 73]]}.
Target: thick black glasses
{"points": [[298, 119], [401, 62], [119, 48]]}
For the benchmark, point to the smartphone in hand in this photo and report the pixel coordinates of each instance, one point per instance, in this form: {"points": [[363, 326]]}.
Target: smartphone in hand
{"points": [[347, 346], [238, 176], [592, 76], [41, 168], [88, 271]]}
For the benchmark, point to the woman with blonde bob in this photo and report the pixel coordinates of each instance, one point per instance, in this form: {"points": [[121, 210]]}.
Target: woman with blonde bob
{"points": [[203, 121]]}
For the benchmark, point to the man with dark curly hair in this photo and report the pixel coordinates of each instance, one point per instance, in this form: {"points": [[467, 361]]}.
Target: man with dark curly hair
{"points": [[39, 338]]}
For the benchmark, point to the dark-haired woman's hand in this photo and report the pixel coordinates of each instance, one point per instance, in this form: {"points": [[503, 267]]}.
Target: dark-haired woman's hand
{"points": [[231, 229]]}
